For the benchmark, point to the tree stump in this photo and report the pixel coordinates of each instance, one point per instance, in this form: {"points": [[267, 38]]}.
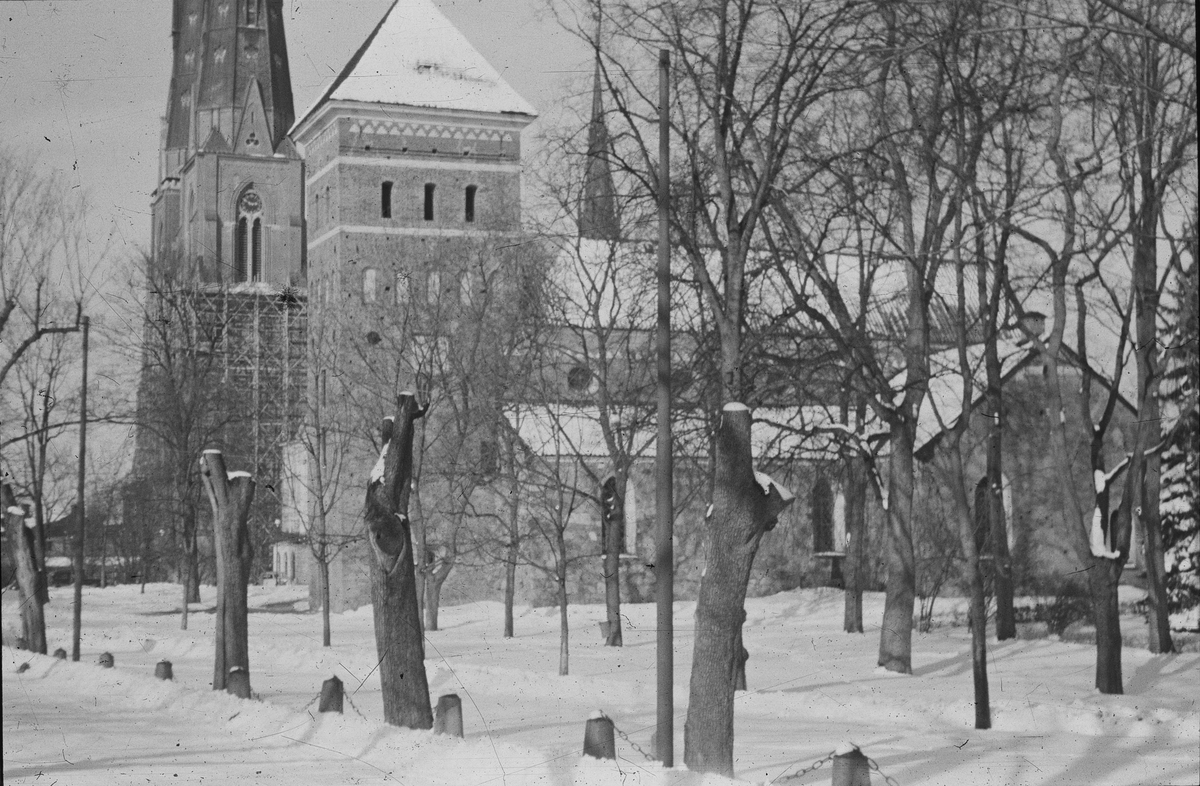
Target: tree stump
{"points": [[331, 695], [230, 494], [60, 653], [447, 718], [598, 737], [746, 505], [164, 671], [399, 641], [106, 660], [23, 540]]}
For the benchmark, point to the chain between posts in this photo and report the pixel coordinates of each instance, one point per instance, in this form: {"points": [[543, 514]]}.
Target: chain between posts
{"points": [[888, 779], [816, 765], [351, 703], [635, 746]]}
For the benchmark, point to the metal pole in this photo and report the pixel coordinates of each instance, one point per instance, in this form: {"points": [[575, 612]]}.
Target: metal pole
{"points": [[664, 559], [78, 621]]}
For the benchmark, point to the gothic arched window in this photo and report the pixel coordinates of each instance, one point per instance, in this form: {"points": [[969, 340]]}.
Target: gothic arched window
{"points": [[248, 243], [368, 285]]}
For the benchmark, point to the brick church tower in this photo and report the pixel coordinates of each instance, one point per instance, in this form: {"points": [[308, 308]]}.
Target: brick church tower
{"points": [[413, 189], [224, 357]]}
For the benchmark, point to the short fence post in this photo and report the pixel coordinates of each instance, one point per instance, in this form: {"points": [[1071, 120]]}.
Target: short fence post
{"points": [[106, 660], [850, 766], [447, 716], [598, 737], [163, 670], [60, 653], [331, 695]]}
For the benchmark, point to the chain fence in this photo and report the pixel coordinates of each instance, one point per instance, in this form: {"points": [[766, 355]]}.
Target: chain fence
{"points": [[632, 744], [795, 776], [888, 779]]}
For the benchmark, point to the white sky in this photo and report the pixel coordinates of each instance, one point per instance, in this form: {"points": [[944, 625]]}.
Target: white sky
{"points": [[83, 84]]}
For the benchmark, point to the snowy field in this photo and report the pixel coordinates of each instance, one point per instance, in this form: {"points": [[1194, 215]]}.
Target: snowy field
{"points": [[811, 688]]}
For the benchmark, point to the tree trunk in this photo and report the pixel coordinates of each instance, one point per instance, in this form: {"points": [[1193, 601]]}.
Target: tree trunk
{"points": [[399, 642], [856, 543], [895, 637], [513, 549], [323, 580], [969, 537], [1103, 577], [1002, 580], [510, 589], [23, 542], [613, 530], [563, 627], [434, 580], [742, 513], [230, 497]]}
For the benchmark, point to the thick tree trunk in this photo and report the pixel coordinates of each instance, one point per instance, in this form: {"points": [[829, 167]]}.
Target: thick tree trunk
{"points": [[23, 542], [742, 513], [1103, 577], [230, 497], [856, 537], [323, 580], [895, 637], [399, 642]]}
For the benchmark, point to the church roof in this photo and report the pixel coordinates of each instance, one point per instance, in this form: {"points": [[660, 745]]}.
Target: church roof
{"points": [[416, 57]]}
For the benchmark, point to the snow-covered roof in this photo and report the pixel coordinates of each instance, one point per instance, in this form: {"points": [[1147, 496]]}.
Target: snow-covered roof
{"points": [[416, 57]]}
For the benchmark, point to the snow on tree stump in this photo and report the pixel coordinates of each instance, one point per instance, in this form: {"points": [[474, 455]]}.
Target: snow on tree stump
{"points": [[60, 653], [238, 682], [331, 695], [447, 716], [598, 737], [163, 670], [850, 766], [106, 660]]}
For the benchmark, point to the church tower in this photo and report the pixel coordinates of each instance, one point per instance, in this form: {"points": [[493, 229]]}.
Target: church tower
{"points": [[413, 189], [229, 204], [224, 358]]}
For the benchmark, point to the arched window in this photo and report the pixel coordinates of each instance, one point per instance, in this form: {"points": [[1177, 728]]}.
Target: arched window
{"points": [[368, 285], [822, 516], [429, 189], [469, 205], [248, 242], [402, 291], [433, 287], [385, 200]]}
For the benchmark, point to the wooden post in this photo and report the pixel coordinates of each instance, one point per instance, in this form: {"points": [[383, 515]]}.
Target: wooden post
{"points": [[399, 642], [230, 494], [850, 767], [598, 738], [331, 695], [77, 615], [164, 671], [447, 718], [664, 466], [106, 660], [24, 549]]}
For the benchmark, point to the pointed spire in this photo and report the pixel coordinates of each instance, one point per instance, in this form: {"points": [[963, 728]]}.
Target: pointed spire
{"points": [[598, 204]]}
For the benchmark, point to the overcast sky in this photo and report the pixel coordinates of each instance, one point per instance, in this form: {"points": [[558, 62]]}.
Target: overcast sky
{"points": [[83, 83]]}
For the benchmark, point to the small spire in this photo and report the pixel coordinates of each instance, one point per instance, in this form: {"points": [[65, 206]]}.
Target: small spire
{"points": [[598, 205]]}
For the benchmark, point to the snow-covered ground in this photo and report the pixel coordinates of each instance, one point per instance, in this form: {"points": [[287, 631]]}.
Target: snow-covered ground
{"points": [[811, 687]]}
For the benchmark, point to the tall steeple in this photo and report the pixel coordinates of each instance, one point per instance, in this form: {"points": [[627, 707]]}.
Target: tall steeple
{"points": [[230, 67], [598, 203]]}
